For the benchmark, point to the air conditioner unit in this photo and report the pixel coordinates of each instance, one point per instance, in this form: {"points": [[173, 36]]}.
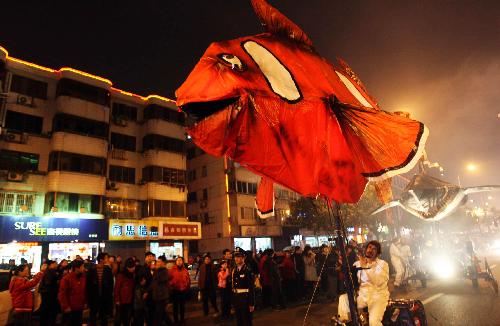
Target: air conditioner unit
{"points": [[25, 100], [203, 204], [16, 137], [110, 185], [15, 176]]}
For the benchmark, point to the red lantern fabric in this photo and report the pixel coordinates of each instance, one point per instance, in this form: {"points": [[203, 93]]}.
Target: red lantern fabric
{"points": [[273, 104]]}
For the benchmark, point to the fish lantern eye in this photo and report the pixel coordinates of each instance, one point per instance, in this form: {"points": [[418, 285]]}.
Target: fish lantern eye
{"points": [[232, 61]]}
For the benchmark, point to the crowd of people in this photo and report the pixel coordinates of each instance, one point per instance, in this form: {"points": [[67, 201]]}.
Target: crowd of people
{"points": [[135, 293], [130, 292]]}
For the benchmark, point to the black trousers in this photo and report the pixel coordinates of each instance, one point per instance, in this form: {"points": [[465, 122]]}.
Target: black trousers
{"points": [[22, 318], [179, 302], [139, 317], [73, 318], [267, 296], [123, 314], [241, 304], [225, 295], [160, 313], [206, 295], [100, 311]]}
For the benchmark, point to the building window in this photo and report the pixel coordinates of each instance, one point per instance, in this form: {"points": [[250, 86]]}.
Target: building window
{"points": [[17, 203], [63, 161], [248, 213], [152, 141], [248, 188], [125, 142], [124, 111], [18, 161], [205, 194], [165, 208], [23, 122], [70, 202], [82, 126], [73, 88], [192, 197], [154, 111], [192, 175], [204, 171], [169, 176], [30, 87], [122, 208], [122, 174], [205, 218]]}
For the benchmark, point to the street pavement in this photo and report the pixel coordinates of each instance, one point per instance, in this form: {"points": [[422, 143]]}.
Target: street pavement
{"points": [[451, 302]]}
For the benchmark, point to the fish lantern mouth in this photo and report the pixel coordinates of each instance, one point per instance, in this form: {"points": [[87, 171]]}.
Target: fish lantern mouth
{"points": [[198, 111]]}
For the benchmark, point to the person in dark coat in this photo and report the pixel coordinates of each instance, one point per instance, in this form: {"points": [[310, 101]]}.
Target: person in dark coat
{"points": [[160, 291], [207, 283], [243, 298], [144, 274], [48, 289], [100, 291], [298, 263], [124, 293], [270, 265], [72, 294]]}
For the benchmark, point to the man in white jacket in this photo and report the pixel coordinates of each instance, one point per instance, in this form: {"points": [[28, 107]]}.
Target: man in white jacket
{"points": [[373, 277], [397, 262]]}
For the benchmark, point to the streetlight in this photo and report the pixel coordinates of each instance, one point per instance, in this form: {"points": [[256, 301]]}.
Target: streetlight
{"points": [[471, 168]]}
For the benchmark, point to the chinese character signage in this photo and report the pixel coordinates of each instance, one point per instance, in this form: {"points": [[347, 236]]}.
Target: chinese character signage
{"points": [[127, 229], [180, 230], [14, 228]]}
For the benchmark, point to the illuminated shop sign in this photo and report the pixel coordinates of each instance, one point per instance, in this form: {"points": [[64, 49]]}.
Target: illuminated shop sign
{"points": [[124, 229], [180, 230], [14, 228]]}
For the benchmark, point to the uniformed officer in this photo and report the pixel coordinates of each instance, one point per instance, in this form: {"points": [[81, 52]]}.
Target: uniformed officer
{"points": [[243, 298]]}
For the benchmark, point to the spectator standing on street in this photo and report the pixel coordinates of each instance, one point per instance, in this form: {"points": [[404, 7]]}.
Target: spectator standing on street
{"points": [[227, 255], [100, 291], [287, 270], [275, 277], [49, 289], [243, 299], [72, 294], [225, 289], [298, 262], [207, 283], [265, 279], [140, 296], [124, 293], [310, 275], [146, 273], [22, 297], [160, 292], [180, 283]]}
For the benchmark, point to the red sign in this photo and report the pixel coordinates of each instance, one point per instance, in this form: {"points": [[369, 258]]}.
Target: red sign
{"points": [[181, 230]]}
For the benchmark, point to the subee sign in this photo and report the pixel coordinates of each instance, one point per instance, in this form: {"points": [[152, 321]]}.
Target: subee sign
{"points": [[14, 228]]}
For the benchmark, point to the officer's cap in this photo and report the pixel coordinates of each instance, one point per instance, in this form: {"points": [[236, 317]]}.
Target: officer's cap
{"points": [[238, 252]]}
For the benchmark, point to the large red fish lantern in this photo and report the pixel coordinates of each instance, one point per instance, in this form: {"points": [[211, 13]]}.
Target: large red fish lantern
{"points": [[273, 104]]}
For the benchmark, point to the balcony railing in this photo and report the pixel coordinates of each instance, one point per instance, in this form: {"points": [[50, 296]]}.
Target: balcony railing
{"points": [[17, 203]]}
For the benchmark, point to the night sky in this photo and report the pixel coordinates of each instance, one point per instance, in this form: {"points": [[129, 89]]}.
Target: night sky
{"points": [[439, 60]]}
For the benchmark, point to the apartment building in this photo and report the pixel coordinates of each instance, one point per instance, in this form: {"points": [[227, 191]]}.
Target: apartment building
{"points": [[222, 198], [86, 166]]}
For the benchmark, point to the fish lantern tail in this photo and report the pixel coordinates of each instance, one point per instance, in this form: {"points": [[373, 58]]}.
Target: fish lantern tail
{"points": [[265, 198]]}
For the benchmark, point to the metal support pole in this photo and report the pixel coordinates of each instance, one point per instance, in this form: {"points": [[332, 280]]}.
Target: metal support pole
{"points": [[346, 268]]}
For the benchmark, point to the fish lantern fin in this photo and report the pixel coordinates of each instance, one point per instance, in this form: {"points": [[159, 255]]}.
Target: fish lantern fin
{"points": [[265, 198], [383, 188], [278, 24]]}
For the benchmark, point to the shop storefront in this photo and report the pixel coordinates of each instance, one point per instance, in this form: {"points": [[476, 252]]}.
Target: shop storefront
{"points": [[133, 237], [34, 238], [258, 238]]}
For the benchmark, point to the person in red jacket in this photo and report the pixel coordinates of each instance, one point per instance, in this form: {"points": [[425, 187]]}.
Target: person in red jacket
{"points": [[72, 294], [180, 284], [124, 293], [287, 271], [20, 291]]}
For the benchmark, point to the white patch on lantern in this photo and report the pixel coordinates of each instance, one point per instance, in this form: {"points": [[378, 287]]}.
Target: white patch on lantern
{"points": [[278, 76], [354, 91]]}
